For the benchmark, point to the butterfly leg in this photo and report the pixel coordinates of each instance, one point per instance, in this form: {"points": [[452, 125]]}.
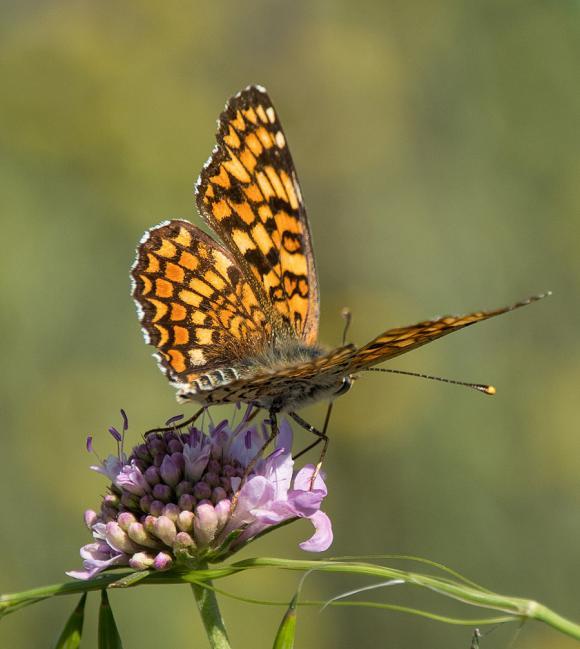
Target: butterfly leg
{"points": [[322, 437], [252, 464], [178, 425]]}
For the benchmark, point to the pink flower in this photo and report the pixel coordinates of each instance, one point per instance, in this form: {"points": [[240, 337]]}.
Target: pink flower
{"points": [[170, 501]]}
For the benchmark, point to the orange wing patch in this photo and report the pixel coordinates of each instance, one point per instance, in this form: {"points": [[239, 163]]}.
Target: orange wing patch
{"points": [[248, 193], [194, 304]]}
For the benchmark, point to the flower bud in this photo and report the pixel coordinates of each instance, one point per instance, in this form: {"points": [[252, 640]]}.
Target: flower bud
{"points": [[187, 502], [205, 523], [142, 452], [145, 503], [219, 493], [90, 517], [111, 500], [162, 492], [185, 521], [169, 471], [163, 561], [156, 446], [174, 446], [165, 530], [229, 471], [222, 510], [178, 460], [184, 487], [117, 538], [125, 519], [149, 524], [202, 490], [141, 561], [183, 541], [156, 508], [152, 475], [139, 534], [171, 510], [211, 478]]}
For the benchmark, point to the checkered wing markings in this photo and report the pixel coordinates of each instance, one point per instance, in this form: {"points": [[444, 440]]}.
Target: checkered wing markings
{"points": [[248, 193], [195, 306], [401, 340]]}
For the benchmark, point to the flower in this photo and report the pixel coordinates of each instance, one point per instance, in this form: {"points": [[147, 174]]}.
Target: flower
{"points": [[182, 497]]}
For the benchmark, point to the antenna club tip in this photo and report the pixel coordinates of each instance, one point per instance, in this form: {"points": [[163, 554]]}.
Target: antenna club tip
{"points": [[490, 389]]}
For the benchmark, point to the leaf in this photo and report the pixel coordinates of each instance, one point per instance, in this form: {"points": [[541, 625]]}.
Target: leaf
{"points": [[70, 638], [287, 631], [109, 637], [130, 579]]}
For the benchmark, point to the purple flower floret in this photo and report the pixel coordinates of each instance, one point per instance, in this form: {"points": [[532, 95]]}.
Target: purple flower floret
{"points": [[170, 501]]}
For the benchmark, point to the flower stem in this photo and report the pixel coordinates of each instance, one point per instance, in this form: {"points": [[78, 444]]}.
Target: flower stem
{"points": [[210, 614]]}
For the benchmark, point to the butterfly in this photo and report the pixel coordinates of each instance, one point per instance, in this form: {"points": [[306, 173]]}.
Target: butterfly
{"points": [[235, 319]]}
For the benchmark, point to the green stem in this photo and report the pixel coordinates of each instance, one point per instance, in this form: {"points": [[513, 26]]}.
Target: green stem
{"points": [[516, 607], [210, 614]]}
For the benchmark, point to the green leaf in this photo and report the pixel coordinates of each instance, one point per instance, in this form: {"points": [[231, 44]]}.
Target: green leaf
{"points": [[130, 579], [287, 631], [109, 637], [70, 638]]}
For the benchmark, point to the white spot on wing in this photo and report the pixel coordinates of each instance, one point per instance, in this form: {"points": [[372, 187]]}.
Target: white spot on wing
{"points": [[280, 140], [157, 356], [146, 336], [271, 114], [197, 357], [140, 312], [206, 164]]}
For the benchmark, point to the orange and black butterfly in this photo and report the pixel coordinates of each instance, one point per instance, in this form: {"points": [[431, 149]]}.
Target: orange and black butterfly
{"points": [[235, 319]]}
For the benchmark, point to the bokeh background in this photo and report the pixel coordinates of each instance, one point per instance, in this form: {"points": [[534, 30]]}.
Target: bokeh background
{"points": [[438, 150]]}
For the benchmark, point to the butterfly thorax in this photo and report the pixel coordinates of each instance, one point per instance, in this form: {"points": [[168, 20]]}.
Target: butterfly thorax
{"points": [[284, 353]]}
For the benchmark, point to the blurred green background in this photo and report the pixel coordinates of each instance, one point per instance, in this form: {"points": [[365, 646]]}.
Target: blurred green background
{"points": [[438, 149]]}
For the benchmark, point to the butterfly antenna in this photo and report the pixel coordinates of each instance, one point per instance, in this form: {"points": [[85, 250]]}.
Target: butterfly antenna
{"points": [[480, 387], [346, 315]]}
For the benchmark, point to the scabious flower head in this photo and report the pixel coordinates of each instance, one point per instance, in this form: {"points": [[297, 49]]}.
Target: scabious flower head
{"points": [[170, 501]]}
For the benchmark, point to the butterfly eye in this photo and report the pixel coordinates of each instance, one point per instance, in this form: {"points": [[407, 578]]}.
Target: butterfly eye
{"points": [[344, 386]]}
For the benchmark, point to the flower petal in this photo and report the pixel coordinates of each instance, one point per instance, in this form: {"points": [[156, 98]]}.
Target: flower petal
{"points": [[284, 439], [196, 460], [304, 476], [305, 503], [110, 467], [276, 513], [244, 445], [277, 468], [256, 493], [98, 557], [322, 538], [132, 480]]}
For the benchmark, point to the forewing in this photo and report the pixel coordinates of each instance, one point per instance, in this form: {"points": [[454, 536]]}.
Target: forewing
{"points": [[403, 339], [194, 303], [248, 193]]}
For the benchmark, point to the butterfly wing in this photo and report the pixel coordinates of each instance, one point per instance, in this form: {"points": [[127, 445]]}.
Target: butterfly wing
{"points": [[248, 193], [395, 342], [195, 305]]}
